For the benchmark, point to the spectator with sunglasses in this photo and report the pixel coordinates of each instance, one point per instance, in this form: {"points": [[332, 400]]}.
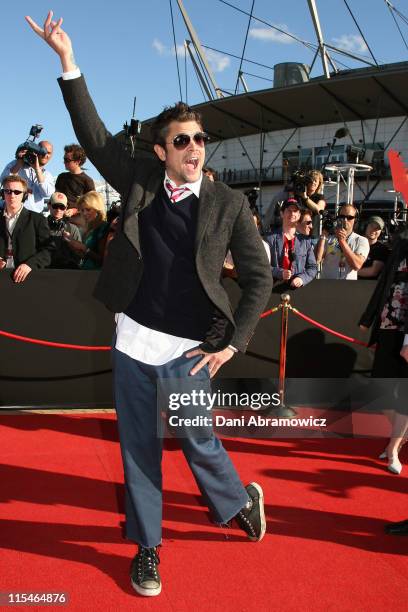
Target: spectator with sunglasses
{"points": [[343, 253], [162, 276], [292, 256], [305, 223], [74, 183], [40, 182], [25, 242], [61, 231]]}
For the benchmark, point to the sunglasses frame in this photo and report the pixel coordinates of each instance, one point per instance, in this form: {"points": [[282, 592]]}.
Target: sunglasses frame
{"points": [[59, 207], [200, 139], [8, 191], [348, 217]]}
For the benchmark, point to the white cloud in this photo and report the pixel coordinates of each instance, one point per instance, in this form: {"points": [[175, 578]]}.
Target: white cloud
{"points": [[217, 61], [351, 42], [271, 35], [159, 46]]}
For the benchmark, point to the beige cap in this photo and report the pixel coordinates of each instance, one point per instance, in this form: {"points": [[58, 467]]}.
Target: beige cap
{"points": [[378, 220], [59, 198]]}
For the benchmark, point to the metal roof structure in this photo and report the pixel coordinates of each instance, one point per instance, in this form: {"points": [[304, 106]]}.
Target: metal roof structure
{"points": [[350, 95]]}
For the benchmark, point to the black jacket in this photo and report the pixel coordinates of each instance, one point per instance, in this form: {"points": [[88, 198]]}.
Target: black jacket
{"points": [[31, 240], [224, 222]]}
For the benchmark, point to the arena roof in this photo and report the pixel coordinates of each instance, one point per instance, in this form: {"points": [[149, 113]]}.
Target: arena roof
{"points": [[361, 94]]}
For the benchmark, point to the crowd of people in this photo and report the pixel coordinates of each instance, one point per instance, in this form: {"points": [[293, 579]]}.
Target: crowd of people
{"points": [[173, 316], [300, 242], [46, 225]]}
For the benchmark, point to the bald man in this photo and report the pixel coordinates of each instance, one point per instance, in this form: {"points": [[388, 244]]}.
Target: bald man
{"points": [[40, 182]]}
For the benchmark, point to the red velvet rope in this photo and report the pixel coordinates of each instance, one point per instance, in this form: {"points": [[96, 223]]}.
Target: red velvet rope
{"points": [[269, 312], [79, 347], [330, 331]]}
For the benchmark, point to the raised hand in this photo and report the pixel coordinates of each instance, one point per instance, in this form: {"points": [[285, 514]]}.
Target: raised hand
{"points": [[56, 38]]}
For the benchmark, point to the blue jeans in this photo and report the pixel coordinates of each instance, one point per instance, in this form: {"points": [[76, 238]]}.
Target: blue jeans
{"points": [[136, 406]]}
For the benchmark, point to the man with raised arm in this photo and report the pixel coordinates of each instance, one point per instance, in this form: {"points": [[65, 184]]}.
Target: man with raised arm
{"points": [[162, 278]]}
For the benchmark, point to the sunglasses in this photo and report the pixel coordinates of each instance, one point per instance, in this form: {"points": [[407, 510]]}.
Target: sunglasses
{"points": [[58, 206], [10, 191], [67, 159], [348, 217], [308, 222], [181, 141]]}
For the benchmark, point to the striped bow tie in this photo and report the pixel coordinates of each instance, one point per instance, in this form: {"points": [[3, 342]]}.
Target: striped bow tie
{"points": [[176, 192]]}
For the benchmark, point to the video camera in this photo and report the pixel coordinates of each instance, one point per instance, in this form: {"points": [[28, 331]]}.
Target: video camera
{"points": [[31, 147], [330, 222], [300, 180]]}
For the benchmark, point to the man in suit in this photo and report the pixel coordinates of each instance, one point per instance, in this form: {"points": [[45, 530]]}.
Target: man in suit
{"points": [[162, 278], [25, 242]]}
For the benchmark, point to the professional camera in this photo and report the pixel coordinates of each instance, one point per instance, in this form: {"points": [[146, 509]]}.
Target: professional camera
{"points": [[328, 221], [300, 180], [31, 147]]}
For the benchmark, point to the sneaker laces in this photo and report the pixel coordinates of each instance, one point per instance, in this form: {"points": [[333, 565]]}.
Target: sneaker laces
{"points": [[148, 559], [245, 519]]}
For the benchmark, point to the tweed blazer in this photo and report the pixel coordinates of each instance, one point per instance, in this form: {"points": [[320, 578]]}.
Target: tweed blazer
{"points": [[31, 240], [224, 222]]}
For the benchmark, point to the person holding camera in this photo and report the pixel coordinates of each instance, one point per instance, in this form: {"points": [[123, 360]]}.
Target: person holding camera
{"points": [[31, 167], [25, 242], [343, 252], [306, 188], [61, 231]]}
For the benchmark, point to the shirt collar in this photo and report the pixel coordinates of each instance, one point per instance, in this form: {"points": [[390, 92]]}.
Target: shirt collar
{"points": [[15, 216], [193, 187]]}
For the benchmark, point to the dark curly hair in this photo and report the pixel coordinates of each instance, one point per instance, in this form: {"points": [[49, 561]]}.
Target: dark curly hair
{"points": [[78, 154], [178, 112]]}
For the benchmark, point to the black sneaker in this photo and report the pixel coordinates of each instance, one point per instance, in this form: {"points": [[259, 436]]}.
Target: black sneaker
{"points": [[251, 518], [143, 573]]}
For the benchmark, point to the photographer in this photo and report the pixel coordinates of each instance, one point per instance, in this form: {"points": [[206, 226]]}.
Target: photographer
{"points": [[342, 252], [61, 231], [306, 189], [32, 169]]}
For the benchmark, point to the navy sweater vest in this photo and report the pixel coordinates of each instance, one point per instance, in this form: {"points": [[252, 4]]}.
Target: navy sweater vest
{"points": [[170, 297]]}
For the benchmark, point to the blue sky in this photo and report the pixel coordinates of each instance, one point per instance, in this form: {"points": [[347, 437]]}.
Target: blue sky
{"points": [[125, 49]]}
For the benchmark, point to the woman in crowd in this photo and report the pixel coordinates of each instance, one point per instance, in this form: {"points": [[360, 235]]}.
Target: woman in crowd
{"points": [[92, 208], [387, 312]]}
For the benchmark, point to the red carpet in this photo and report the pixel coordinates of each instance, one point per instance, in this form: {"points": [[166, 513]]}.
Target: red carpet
{"points": [[325, 549]]}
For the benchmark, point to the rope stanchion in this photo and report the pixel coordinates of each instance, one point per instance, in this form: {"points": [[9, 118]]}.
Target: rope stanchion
{"points": [[327, 329], [284, 410], [285, 306], [77, 347]]}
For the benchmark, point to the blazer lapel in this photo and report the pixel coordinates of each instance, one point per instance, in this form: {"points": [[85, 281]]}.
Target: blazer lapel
{"points": [[131, 223], [206, 203], [20, 223]]}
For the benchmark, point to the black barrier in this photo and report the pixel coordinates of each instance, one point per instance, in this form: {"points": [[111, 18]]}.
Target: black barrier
{"points": [[58, 306]]}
